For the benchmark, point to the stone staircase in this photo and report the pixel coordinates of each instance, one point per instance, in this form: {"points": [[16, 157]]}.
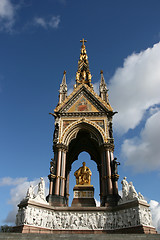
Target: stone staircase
{"points": [[32, 236]]}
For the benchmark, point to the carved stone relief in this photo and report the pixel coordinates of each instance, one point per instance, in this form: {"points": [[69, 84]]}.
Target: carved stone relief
{"points": [[86, 220]]}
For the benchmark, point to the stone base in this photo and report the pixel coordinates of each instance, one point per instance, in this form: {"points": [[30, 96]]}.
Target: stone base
{"points": [[110, 200], [83, 202], [83, 196], [132, 230], [129, 217], [55, 200]]}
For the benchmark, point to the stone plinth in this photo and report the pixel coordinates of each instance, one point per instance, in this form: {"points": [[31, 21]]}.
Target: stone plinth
{"points": [[130, 217], [83, 196]]}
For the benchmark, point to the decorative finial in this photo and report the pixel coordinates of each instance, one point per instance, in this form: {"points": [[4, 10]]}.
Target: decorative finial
{"points": [[101, 72], [83, 41], [64, 72], [83, 75]]}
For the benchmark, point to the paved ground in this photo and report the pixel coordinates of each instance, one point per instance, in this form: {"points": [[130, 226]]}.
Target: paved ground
{"points": [[32, 236]]}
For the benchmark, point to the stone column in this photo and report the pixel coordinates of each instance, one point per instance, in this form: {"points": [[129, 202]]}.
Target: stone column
{"points": [[108, 173], [103, 178], [67, 188], [51, 187], [56, 195], [115, 187], [63, 171], [58, 172]]}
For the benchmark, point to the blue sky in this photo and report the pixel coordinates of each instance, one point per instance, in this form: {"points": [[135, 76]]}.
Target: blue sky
{"points": [[38, 41]]}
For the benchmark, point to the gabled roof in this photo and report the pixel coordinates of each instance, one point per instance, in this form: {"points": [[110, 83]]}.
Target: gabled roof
{"points": [[89, 94]]}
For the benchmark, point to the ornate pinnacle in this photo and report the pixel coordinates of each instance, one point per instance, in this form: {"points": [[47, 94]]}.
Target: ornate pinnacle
{"points": [[103, 88], [63, 89], [102, 79], [103, 85], [83, 74], [64, 78]]}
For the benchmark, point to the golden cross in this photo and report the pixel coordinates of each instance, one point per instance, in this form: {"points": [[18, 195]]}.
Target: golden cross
{"points": [[83, 41]]}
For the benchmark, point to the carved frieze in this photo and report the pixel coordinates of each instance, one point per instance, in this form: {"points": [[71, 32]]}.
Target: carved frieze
{"points": [[84, 220]]}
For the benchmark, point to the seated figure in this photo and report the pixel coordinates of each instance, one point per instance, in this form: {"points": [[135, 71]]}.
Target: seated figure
{"points": [[83, 175]]}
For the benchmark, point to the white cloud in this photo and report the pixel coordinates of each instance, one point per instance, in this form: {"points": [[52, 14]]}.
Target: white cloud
{"points": [[53, 22], [135, 87], [153, 110], [8, 12], [96, 87], [155, 210], [8, 181], [41, 22], [6, 9], [7, 15], [142, 152], [97, 203], [70, 86], [18, 193]]}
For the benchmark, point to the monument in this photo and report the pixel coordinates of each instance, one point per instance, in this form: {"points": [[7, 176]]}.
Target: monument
{"points": [[83, 122]]}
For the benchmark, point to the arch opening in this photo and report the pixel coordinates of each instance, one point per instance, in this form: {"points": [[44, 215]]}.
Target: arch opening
{"points": [[83, 148], [84, 141], [85, 157]]}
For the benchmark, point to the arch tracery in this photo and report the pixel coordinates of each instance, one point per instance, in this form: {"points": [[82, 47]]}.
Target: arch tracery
{"points": [[74, 127]]}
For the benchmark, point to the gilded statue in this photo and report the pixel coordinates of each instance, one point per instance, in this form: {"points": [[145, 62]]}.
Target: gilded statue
{"points": [[83, 175]]}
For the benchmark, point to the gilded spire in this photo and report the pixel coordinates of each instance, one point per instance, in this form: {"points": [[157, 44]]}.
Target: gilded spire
{"points": [[83, 74], [103, 88]]}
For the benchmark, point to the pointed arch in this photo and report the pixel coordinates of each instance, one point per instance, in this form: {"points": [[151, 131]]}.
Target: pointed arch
{"points": [[95, 130]]}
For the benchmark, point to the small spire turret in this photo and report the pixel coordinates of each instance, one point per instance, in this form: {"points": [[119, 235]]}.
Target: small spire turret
{"points": [[63, 89], [83, 74], [103, 88]]}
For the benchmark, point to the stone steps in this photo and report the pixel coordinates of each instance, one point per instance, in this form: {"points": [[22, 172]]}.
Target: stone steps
{"points": [[32, 236]]}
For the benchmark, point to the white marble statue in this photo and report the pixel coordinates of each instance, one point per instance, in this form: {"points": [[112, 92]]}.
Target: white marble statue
{"points": [[129, 192], [41, 189], [132, 191], [40, 196], [30, 193], [140, 196], [125, 188]]}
